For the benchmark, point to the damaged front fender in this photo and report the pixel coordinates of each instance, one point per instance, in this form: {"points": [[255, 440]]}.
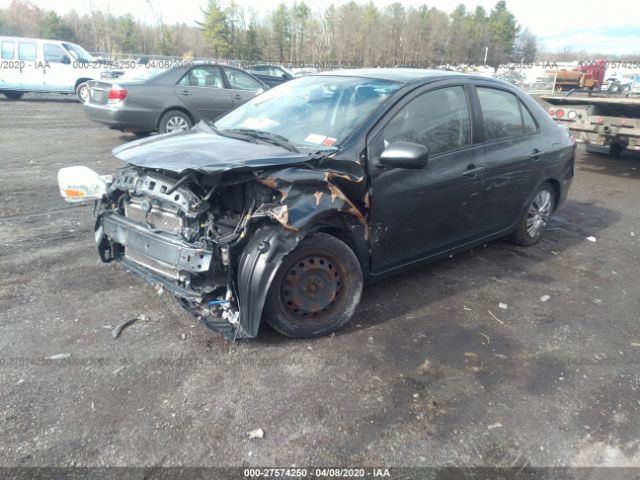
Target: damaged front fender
{"points": [[257, 267]]}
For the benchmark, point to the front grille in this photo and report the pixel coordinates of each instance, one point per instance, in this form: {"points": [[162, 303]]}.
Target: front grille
{"points": [[150, 263], [157, 218]]}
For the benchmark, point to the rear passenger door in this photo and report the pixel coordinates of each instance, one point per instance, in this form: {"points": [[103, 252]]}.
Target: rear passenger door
{"points": [[512, 157], [418, 213], [202, 90], [32, 75]]}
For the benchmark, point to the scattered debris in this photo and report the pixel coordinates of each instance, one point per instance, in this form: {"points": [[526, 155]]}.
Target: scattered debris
{"points": [[93, 406], [503, 306], [633, 234], [257, 433], [119, 369], [118, 330], [635, 344], [597, 301], [59, 356], [20, 381], [591, 239], [470, 354], [545, 298], [500, 355], [494, 425], [425, 367], [466, 308], [496, 318], [486, 337], [183, 336]]}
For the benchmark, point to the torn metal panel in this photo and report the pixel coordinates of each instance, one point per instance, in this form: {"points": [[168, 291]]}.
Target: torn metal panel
{"points": [[311, 195], [256, 269]]}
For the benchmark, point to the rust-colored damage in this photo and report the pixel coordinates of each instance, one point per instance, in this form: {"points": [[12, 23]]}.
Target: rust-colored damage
{"points": [[298, 186], [269, 182]]}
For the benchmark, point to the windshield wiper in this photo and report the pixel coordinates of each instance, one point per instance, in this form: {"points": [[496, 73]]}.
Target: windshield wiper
{"points": [[231, 134], [274, 138]]}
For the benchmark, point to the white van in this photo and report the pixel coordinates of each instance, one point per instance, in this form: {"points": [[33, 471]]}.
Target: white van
{"points": [[52, 66]]}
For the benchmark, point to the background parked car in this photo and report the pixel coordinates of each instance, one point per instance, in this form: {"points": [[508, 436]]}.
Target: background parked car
{"points": [[272, 75], [170, 100], [51, 66]]}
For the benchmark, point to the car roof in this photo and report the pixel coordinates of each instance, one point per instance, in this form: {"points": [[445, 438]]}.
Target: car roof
{"points": [[403, 75]]}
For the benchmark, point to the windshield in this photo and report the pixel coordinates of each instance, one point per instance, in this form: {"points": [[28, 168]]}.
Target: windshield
{"points": [[311, 112], [78, 53]]}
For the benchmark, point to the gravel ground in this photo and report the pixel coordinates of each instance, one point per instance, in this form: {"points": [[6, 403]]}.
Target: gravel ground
{"points": [[432, 370]]}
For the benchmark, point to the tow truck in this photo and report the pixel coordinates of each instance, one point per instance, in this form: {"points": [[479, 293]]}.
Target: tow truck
{"points": [[605, 122]]}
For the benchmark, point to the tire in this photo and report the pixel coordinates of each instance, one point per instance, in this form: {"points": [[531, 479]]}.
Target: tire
{"points": [[82, 92], [316, 290], [615, 150], [533, 222], [12, 94], [174, 121]]}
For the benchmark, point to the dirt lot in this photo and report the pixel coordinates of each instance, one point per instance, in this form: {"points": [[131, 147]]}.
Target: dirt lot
{"points": [[431, 370]]}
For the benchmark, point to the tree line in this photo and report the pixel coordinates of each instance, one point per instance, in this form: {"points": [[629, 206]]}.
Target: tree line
{"points": [[352, 34]]}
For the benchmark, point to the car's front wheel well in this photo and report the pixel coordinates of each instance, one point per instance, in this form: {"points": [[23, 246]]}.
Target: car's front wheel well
{"points": [[79, 81]]}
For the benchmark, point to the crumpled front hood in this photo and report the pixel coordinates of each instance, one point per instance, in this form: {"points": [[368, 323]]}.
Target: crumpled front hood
{"points": [[201, 149]]}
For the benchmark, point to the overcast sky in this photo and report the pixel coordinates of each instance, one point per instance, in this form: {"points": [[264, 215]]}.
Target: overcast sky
{"points": [[593, 25]]}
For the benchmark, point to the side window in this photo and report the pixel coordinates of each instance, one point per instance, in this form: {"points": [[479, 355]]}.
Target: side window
{"points": [[26, 51], [503, 114], [54, 53], [439, 120], [8, 49], [204, 76], [240, 80], [530, 125]]}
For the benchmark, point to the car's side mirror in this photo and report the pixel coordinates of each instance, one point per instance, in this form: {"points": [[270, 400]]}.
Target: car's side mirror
{"points": [[64, 59], [405, 155]]}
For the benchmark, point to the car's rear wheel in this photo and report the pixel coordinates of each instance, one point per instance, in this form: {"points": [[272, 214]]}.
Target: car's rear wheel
{"points": [[174, 121], [12, 94], [316, 289], [82, 92], [536, 218]]}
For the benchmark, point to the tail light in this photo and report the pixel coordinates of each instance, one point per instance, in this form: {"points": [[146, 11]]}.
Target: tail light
{"points": [[552, 111], [117, 94], [559, 113]]}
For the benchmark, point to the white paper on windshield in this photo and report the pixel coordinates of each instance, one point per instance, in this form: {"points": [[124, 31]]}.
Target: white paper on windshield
{"points": [[315, 138]]}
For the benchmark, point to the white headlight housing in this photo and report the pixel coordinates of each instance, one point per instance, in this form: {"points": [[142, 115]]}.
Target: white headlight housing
{"points": [[572, 115], [81, 184]]}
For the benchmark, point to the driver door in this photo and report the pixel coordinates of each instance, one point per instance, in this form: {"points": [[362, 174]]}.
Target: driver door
{"points": [[419, 213], [243, 87], [202, 90], [58, 72]]}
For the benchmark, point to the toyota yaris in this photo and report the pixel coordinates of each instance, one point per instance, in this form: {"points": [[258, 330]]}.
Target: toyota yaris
{"points": [[282, 209]]}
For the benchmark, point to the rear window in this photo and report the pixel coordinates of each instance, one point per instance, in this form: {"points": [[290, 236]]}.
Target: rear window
{"points": [[26, 51], [504, 115], [8, 49]]}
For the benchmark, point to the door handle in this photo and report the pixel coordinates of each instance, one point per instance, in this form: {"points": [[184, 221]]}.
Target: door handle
{"points": [[186, 93], [473, 171], [238, 97], [535, 155]]}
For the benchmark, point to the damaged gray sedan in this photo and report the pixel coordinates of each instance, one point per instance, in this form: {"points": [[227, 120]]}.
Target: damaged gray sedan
{"points": [[283, 208]]}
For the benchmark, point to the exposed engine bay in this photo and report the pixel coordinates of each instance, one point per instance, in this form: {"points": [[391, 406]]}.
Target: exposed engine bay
{"points": [[188, 234]]}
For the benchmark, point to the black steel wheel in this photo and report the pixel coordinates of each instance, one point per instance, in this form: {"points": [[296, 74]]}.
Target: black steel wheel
{"points": [[316, 289]]}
